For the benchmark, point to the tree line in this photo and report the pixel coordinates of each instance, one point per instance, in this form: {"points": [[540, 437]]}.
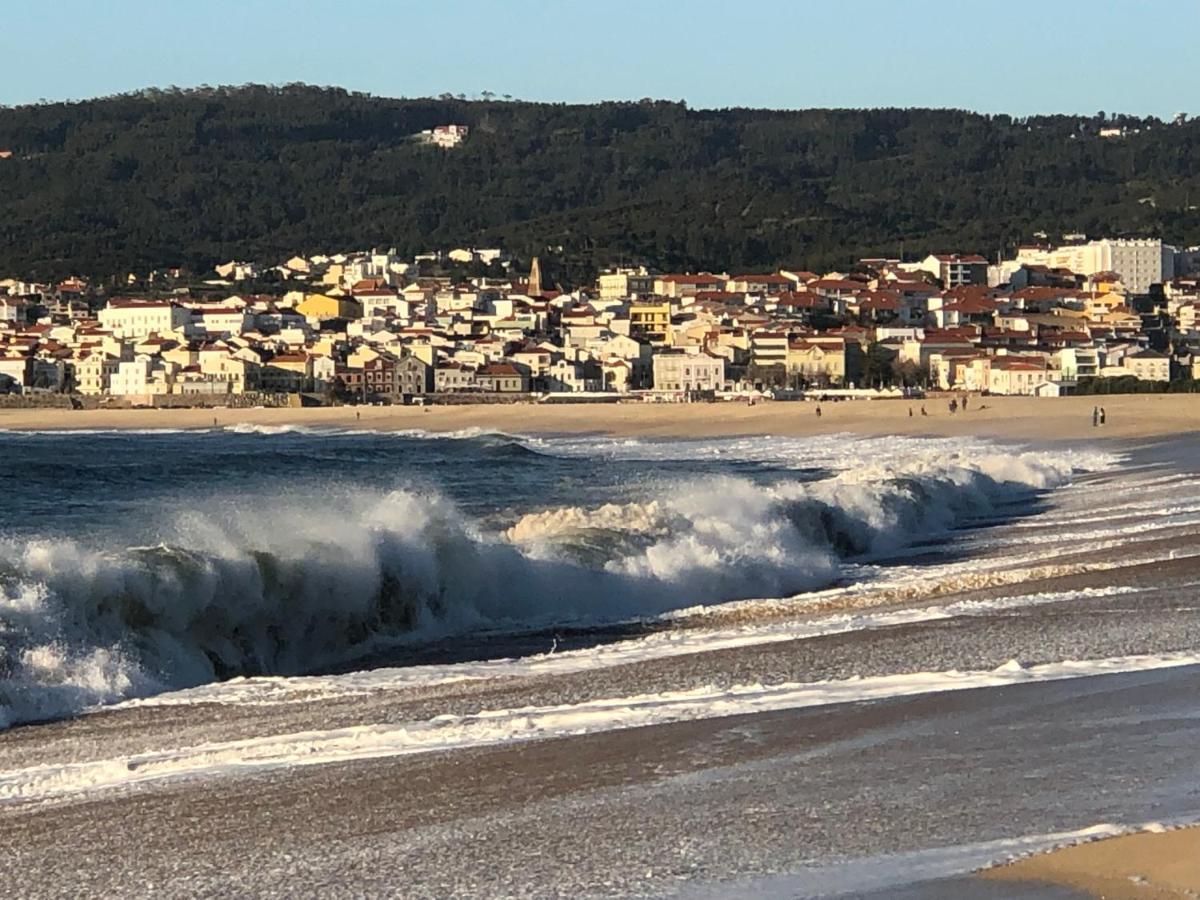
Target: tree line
{"points": [[174, 177]]}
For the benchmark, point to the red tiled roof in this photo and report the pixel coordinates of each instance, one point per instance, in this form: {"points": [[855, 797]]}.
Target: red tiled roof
{"points": [[691, 279], [499, 369]]}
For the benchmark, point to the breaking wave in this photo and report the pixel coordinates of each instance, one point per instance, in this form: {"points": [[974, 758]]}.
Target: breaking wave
{"points": [[277, 587]]}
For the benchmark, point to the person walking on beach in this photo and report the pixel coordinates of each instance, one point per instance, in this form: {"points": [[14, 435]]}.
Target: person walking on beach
{"points": [[818, 412], [953, 407], [1095, 416], [923, 410], [964, 404], [1102, 416], [910, 412]]}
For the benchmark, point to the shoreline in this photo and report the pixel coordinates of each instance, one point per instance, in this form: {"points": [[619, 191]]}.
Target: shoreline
{"points": [[1146, 865], [1066, 419]]}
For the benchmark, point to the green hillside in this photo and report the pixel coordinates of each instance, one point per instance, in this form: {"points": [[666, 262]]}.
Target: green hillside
{"points": [[195, 177]]}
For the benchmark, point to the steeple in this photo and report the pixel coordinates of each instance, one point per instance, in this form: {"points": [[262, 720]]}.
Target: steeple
{"points": [[535, 278]]}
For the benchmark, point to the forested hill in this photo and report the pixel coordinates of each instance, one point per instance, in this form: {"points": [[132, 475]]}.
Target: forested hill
{"points": [[195, 177]]}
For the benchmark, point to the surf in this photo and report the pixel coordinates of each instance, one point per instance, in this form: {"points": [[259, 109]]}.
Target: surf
{"points": [[286, 585]]}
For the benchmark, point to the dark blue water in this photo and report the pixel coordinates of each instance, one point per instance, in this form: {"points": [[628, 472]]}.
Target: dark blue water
{"points": [[124, 486]]}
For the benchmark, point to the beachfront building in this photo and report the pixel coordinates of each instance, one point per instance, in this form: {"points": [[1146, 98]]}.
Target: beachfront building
{"points": [[1148, 365], [92, 373], [501, 378], [678, 370], [1003, 375], [414, 377], [287, 373], [144, 376], [819, 362]]}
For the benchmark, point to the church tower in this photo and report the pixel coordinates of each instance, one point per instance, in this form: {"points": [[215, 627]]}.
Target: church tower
{"points": [[535, 278]]}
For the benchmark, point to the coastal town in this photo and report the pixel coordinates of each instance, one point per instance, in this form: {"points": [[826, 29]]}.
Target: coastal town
{"points": [[471, 325]]}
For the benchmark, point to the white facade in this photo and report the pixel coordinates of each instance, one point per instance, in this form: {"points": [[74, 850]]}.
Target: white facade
{"points": [[446, 136], [218, 323], [92, 373], [1149, 366], [688, 372], [136, 319], [139, 377], [1139, 262]]}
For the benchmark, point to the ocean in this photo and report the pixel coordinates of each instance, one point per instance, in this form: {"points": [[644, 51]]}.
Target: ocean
{"points": [[828, 644], [136, 563]]}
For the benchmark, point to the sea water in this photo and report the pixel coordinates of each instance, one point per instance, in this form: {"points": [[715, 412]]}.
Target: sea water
{"points": [[133, 563]]}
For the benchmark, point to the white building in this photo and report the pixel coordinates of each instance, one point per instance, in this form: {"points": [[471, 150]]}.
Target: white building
{"points": [[445, 136], [139, 377], [679, 371], [570, 376], [93, 372], [1148, 365], [222, 321], [238, 271], [1140, 262], [621, 283], [142, 318]]}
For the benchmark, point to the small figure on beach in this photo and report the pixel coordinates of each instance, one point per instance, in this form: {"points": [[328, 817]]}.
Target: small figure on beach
{"points": [[818, 411], [214, 421], [953, 407], [1102, 415], [1095, 416], [357, 416], [964, 404], [910, 412], [923, 410]]}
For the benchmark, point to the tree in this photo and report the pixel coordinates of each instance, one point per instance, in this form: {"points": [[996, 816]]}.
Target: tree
{"points": [[907, 373], [144, 181], [877, 368]]}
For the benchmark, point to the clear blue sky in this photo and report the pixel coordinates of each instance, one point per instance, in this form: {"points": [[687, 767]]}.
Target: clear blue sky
{"points": [[1080, 56]]}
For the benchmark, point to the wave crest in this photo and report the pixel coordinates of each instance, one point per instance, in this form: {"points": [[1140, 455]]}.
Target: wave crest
{"points": [[273, 587]]}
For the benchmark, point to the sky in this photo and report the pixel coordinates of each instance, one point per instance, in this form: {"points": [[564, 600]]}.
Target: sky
{"points": [[1018, 57]]}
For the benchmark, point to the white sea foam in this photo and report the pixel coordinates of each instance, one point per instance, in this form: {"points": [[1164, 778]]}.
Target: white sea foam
{"points": [[491, 727], [268, 430], [267, 587], [269, 691]]}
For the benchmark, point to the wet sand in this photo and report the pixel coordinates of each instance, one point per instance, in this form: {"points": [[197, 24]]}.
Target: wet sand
{"points": [[617, 813], [1129, 416], [1145, 866]]}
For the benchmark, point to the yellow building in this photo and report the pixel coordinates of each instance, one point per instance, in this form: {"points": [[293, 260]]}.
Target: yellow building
{"points": [[820, 362], [651, 321], [286, 373], [322, 306], [1103, 304]]}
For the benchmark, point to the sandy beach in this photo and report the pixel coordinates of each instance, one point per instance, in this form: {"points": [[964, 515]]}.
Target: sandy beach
{"points": [[1147, 866], [1129, 416], [1028, 674]]}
